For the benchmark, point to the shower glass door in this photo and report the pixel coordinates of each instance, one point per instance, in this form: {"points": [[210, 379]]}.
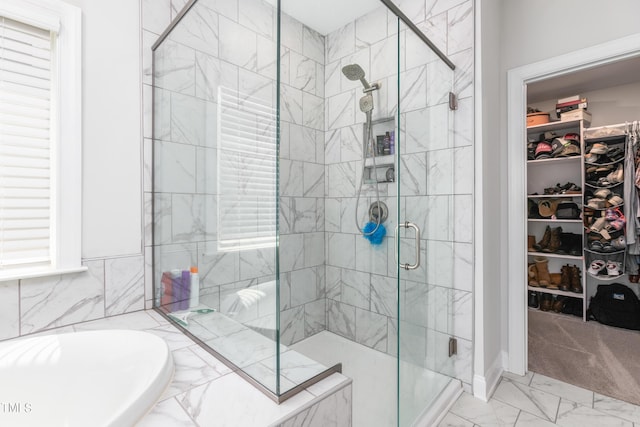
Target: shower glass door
{"points": [[425, 155]]}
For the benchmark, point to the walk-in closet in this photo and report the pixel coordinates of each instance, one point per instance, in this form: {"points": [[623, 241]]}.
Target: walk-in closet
{"points": [[583, 228]]}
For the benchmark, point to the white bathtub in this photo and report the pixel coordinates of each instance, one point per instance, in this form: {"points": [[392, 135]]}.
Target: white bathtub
{"points": [[94, 378]]}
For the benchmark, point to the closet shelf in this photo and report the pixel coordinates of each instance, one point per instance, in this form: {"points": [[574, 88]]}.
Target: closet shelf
{"points": [[553, 196], [607, 186], [555, 160], [608, 139], [556, 292], [557, 125], [551, 255], [570, 221], [604, 254], [603, 164], [605, 278]]}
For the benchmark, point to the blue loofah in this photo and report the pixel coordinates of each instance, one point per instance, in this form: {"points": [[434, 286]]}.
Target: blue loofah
{"points": [[375, 238]]}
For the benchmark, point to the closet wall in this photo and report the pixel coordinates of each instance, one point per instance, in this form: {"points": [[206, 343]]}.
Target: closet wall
{"points": [[612, 105]]}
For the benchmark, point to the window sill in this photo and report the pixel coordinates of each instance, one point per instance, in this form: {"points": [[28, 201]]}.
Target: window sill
{"points": [[32, 273]]}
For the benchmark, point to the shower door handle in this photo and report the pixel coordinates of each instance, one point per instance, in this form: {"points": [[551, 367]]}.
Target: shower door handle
{"points": [[408, 266]]}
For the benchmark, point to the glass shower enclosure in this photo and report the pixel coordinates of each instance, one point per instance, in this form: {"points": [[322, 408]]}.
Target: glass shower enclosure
{"points": [[302, 181]]}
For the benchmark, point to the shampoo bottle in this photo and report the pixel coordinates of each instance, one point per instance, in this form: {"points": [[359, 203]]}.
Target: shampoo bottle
{"points": [[194, 298], [387, 144], [186, 289]]}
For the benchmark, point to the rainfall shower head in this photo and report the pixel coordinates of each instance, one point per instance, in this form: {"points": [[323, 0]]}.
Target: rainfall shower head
{"points": [[355, 72]]}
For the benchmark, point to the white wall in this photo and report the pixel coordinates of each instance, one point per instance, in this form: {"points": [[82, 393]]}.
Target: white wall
{"points": [[488, 292], [534, 31], [616, 104], [112, 129]]}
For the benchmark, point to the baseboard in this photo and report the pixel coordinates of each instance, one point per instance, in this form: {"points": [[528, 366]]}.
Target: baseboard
{"points": [[484, 386], [438, 410]]}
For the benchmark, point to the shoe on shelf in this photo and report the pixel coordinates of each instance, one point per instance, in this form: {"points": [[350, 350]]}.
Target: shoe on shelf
{"points": [[619, 243], [615, 153], [614, 268], [602, 193], [542, 270], [558, 304], [546, 302], [615, 201], [591, 158], [545, 240], [576, 282], [533, 299], [596, 267], [554, 241], [533, 275], [565, 278], [555, 281], [599, 148]]}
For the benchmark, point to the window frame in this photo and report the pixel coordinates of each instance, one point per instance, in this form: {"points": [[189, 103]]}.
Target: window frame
{"points": [[66, 119]]}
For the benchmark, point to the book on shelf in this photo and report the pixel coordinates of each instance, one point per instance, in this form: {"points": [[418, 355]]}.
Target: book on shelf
{"points": [[569, 99]]}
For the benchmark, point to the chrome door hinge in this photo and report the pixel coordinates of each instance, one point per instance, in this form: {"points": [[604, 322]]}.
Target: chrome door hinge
{"points": [[453, 346], [453, 101]]}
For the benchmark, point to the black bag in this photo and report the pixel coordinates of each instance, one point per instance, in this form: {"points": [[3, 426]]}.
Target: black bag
{"points": [[615, 305], [567, 210]]}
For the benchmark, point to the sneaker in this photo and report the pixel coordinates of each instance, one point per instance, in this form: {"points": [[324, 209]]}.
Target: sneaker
{"points": [[614, 268], [598, 148]]}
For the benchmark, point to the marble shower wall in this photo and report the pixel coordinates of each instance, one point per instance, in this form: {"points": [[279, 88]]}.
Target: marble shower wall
{"points": [[436, 175], [229, 47]]}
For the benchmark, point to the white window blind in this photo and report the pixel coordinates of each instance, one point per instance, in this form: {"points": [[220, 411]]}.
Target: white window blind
{"points": [[246, 172], [25, 144]]}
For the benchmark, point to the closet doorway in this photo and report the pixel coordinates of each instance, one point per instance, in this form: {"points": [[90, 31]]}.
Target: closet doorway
{"points": [[602, 73]]}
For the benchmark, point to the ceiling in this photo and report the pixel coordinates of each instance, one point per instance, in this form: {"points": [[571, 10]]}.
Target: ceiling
{"points": [[601, 77], [323, 16]]}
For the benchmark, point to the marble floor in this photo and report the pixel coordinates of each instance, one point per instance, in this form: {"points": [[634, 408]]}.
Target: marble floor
{"points": [[536, 400]]}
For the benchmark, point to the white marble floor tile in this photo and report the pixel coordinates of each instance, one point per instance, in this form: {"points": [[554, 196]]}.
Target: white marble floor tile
{"points": [[526, 379], [571, 414], [533, 401], [452, 420], [562, 389], [528, 420], [174, 338], [486, 414], [167, 413], [617, 408]]}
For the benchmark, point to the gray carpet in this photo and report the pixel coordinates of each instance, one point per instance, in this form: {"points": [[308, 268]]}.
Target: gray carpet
{"points": [[586, 354]]}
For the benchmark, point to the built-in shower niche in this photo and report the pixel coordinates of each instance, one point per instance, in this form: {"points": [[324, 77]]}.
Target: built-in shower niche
{"points": [[380, 164]]}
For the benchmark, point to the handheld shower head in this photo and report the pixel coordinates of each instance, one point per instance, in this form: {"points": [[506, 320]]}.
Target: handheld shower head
{"points": [[355, 72], [366, 103]]}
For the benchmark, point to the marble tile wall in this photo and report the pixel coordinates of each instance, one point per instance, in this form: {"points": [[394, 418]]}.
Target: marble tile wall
{"points": [[109, 287], [436, 187], [222, 48]]}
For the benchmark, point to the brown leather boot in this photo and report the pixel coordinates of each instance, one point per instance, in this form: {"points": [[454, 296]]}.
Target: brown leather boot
{"points": [[565, 279], [531, 241], [533, 276], [576, 282], [542, 269], [545, 240], [554, 240], [546, 302], [558, 304]]}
